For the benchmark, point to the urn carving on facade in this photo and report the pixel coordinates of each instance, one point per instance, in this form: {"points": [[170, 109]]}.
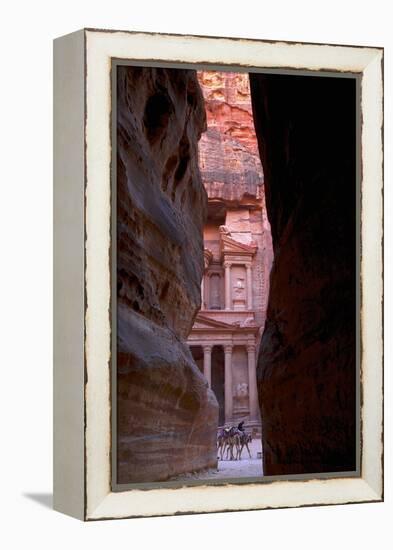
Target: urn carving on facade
{"points": [[239, 294]]}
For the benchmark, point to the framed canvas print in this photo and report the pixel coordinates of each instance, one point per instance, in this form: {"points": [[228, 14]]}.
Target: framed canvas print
{"points": [[218, 274]]}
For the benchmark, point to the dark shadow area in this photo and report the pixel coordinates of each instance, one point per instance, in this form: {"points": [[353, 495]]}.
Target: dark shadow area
{"points": [[197, 355], [45, 499], [218, 383], [306, 130]]}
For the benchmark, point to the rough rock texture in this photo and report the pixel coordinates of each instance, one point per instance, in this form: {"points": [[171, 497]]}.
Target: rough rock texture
{"points": [[306, 367], [167, 416], [232, 174], [228, 151]]}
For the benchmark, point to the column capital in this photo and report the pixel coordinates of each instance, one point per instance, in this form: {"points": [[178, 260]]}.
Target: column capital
{"points": [[207, 347], [251, 348], [228, 348], [227, 263]]}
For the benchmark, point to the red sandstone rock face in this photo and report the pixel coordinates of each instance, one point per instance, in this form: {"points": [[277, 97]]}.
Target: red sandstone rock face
{"points": [[228, 106], [167, 416], [228, 152], [232, 172], [306, 366]]}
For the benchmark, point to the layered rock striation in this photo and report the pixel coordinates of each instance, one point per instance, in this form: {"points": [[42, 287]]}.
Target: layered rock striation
{"points": [[232, 174], [307, 358], [228, 152], [167, 416]]}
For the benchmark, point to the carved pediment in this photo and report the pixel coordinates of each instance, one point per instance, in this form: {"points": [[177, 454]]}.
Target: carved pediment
{"points": [[203, 322], [229, 245]]}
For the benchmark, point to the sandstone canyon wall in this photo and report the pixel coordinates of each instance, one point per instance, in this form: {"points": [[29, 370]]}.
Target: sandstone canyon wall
{"points": [[167, 415], [306, 367], [228, 151], [232, 174]]}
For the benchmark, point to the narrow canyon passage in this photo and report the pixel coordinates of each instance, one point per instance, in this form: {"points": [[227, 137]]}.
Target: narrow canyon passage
{"points": [[207, 336], [194, 255], [226, 334]]}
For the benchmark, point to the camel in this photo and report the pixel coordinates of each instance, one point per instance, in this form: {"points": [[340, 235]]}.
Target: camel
{"points": [[232, 441], [243, 441], [221, 444], [227, 440]]}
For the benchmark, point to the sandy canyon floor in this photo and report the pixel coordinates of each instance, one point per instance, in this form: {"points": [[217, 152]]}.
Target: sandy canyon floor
{"points": [[246, 467]]}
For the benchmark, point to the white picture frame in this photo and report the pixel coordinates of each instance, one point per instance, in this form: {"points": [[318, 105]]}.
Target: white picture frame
{"points": [[82, 333]]}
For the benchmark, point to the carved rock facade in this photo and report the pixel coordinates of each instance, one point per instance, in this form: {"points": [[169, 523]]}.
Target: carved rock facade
{"points": [[238, 250], [167, 415]]}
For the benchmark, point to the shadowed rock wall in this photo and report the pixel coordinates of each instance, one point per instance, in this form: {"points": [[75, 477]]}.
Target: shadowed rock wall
{"points": [[167, 416], [306, 366]]}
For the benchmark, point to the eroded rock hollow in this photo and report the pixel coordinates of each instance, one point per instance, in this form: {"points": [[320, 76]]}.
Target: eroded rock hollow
{"points": [[167, 415], [306, 367]]}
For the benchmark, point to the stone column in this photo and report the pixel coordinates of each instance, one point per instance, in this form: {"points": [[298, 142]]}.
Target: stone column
{"points": [[207, 290], [249, 286], [228, 385], [207, 364], [252, 383], [203, 292], [228, 304]]}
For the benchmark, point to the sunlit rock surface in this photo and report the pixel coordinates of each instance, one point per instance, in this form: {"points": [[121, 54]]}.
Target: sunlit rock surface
{"points": [[232, 174], [229, 160]]}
